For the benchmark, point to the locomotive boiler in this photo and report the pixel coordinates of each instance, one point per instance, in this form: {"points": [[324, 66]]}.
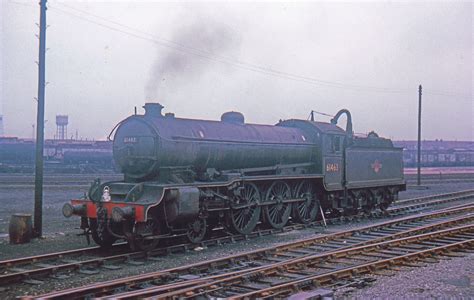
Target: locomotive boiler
{"points": [[185, 177]]}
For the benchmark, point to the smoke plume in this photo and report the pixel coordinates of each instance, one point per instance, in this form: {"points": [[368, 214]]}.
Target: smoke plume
{"points": [[194, 48]]}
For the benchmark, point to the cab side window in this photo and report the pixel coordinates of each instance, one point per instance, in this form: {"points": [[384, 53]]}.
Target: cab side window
{"points": [[329, 143], [336, 142]]}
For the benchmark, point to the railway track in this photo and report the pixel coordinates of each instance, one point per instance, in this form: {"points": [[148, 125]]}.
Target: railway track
{"points": [[298, 275], [446, 196], [89, 261], [405, 206], [440, 181], [196, 274]]}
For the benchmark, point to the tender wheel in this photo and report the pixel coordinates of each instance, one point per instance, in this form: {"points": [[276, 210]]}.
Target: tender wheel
{"points": [[276, 215], [388, 198], [386, 201], [245, 210], [197, 230], [378, 198], [99, 233], [368, 202], [306, 211], [143, 230]]}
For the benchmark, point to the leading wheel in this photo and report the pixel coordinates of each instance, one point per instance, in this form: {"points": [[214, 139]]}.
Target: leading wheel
{"points": [[276, 213], [99, 233], [143, 233], [306, 211], [245, 210], [197, 230]]}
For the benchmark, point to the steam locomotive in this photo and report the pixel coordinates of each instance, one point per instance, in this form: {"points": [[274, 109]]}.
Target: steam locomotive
{"points": [[185, 177]]}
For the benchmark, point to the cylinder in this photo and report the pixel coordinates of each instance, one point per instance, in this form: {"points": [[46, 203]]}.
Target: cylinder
{"points": [[20, 229]]}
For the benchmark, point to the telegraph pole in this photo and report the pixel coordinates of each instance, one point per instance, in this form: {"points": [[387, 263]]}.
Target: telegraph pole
{"points": [[38, 217], [419, 138]]}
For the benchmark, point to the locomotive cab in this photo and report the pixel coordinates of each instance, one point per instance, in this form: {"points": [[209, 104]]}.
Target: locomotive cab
{"points": [[333, 161]]}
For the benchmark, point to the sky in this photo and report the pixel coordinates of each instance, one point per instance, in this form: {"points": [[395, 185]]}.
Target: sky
{"points": [[268, 60]]}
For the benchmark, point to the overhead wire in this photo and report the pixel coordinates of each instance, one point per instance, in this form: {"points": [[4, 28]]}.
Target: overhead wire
{"points": [[449, 94], [230, 59], [234, 62], [257, 68], [214, 57]]}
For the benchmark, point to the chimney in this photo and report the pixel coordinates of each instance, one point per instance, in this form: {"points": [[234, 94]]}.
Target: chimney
{"points": [[153, 109]]}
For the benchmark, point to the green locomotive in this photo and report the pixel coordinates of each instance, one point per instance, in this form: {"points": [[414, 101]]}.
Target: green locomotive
{"points": [[186, 177]]}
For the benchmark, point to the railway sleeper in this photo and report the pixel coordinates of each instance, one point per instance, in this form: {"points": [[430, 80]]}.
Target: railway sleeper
{"points": [[429, 259], [388, 231], [413, 264], [32, 281], [444, 240], [453, 254], [359, 238], [111, 267], [418, 246], [466, 236], [338, 243], [392, 252], [454, 239]]}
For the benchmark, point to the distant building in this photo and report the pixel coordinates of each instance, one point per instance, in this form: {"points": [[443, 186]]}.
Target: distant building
{"points": [[67, 155], [438, 153], [18, 156]]}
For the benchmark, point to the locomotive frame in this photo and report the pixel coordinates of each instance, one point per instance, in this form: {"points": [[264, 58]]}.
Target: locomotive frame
{"points": [[296, 170]]}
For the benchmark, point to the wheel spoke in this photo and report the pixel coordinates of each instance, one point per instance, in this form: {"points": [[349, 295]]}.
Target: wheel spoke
{"points": [[306, 210], [244, 220], [276, 211], [197, 230], [239, 221], [303, 210], [149, 228], [273, 212]]}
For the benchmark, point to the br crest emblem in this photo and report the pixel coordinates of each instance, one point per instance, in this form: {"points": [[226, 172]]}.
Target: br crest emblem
{"points": [[377, 166]]}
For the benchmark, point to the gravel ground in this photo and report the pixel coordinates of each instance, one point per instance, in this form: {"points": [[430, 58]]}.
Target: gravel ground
{"points": [[60, 234], [448, 279]]}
